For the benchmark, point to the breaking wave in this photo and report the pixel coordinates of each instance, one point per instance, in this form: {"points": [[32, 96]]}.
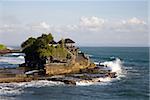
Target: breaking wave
{"points": [[102, 81], [11, 89], [114, 66], [13, 58]]}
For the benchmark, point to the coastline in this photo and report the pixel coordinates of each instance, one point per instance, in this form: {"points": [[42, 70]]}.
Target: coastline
{"points": [[45, 58], [70, 78], [9, 51]]}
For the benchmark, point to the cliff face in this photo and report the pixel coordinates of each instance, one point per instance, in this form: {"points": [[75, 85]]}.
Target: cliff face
{"points": [[57, 69]]}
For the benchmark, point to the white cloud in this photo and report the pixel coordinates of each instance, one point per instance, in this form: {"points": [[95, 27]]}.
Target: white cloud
{"points": [[10, 28], [72, 27], [38, 27], [45, 25], [41, 25], [92, 23], [133, 20], [95, 26], [131, 25]]}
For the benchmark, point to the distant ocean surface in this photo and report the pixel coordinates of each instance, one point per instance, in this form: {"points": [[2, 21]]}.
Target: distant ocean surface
{"points": [[132, 83]]}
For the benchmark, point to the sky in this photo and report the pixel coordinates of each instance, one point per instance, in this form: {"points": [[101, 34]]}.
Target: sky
{"points": [[88, 23]]}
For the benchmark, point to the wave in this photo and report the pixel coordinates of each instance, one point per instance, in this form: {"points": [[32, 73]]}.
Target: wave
{"points": [[16, 88], [21, 57], [13, 60], [39, 83], [115, 66], [96, 81], [14, 55], [11, 89]]}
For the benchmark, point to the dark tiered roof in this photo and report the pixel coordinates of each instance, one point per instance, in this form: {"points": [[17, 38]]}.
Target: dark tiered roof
{"points": [[67, 40], [52, 42]]}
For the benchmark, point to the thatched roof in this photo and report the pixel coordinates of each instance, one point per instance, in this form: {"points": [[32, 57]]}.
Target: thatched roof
{"points": [[67, 40], [52, 42]]}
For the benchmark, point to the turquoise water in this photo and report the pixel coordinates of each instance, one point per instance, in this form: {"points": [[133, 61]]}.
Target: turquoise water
{"points": [[132, 85]]}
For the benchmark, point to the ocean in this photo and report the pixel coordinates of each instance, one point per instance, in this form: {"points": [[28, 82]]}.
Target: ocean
{"points": [[132, 83]]}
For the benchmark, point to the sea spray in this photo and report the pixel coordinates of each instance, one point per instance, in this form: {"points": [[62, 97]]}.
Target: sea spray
{"points": [[114, 66]]}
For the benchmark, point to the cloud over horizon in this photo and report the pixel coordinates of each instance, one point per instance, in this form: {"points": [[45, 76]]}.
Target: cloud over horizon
{"points": [[92, 25]]}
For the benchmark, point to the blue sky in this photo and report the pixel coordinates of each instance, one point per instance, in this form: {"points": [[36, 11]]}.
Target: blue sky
{"points": [[89, 23]]}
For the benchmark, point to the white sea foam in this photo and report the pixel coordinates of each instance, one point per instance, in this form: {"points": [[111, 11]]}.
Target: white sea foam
{"points": [[15, 54], [96, 81], [21, 57], [41, 83], [96, 63], [114, 66], [18, 88], [106, 79], [85, 83], [112, 57], [13, 60], [10, 89]]}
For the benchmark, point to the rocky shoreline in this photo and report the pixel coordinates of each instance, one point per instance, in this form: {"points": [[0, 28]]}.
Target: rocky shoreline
{"points": [[9, 51], [45, 59], [91, 75]]}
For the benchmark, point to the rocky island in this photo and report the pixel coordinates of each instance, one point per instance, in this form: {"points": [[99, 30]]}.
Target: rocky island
{"points": [[3, 49], [46, 59]]}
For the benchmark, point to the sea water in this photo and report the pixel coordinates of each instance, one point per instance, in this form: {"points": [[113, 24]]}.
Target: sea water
{"points": [[130, 63]]}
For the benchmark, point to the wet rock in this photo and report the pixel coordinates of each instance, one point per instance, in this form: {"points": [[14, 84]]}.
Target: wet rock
{"points": [[111, 75], [70, 82]]}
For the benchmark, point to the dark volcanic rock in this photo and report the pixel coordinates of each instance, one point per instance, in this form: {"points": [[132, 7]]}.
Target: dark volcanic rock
{"points": [[111, 74], [95, 70], [70, 82]]}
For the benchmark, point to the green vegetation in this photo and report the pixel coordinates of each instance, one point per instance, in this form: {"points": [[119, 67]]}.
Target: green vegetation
{"points": [[37, 50], [59, 52], [28, 42], [2, 47]]}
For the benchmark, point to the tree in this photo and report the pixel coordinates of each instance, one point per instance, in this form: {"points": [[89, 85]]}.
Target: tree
{"points": [[2, 47], [46, 38], [37, 50], [28, 42]]}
